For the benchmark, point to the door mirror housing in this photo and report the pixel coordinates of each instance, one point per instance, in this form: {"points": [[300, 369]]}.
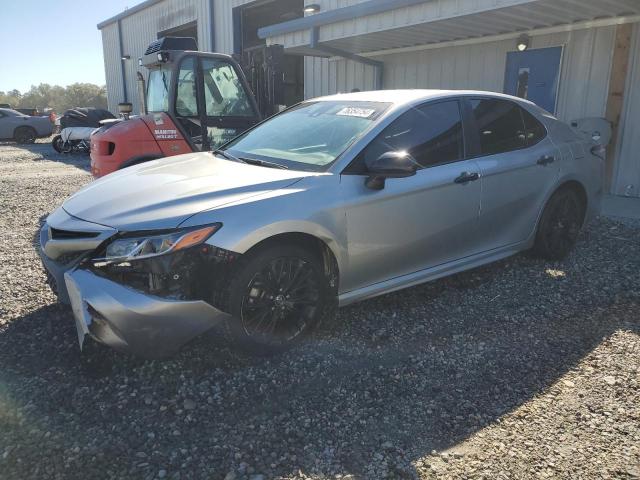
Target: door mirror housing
{"points": [[390, 165]]}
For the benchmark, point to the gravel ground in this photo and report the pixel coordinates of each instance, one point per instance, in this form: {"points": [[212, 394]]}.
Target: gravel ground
{"points": [[520, 369]]}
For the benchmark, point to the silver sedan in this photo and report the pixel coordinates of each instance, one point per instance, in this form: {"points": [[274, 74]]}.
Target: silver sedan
{"points": [[23, 128], [333, 201]]}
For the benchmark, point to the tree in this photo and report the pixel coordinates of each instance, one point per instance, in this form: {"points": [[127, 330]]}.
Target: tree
{"points": [[86, 95], [58, 98], [11, 97]]}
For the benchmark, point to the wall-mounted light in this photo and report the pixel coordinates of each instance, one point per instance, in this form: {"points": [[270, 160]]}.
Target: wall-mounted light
{"points": [[140, 61], [523, 43], [126, 57], [312, 8]]}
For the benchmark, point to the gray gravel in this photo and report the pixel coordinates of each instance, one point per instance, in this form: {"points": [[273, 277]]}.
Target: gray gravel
{"points": [[520, 369]]}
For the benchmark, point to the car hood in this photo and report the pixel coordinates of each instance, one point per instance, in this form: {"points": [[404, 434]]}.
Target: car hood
{"points": [[163, 193]]}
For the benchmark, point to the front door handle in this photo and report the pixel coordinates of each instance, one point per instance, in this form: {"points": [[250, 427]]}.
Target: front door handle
{"points": [[546, 160], [466, 177]]}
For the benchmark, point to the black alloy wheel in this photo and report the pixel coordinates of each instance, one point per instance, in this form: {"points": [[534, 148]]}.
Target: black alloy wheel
{"points": [[560, 225], [277, 298], [25, 135]]}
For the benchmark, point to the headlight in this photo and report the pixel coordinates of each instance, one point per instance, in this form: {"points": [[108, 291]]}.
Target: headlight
{"points": [[146, 246]]}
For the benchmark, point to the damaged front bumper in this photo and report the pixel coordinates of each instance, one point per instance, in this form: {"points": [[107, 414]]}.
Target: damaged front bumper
{"points": [[149, 308], [131, 321]]}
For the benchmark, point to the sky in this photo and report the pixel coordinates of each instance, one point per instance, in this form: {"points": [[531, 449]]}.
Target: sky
{"points": [[53, 41]]}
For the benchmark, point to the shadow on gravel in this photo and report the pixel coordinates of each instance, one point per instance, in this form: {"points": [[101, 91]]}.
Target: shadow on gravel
{"points": [[395, 378], [45, 150]]}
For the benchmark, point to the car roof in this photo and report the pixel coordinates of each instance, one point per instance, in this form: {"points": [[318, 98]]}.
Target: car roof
{"points": [[411, 96], [10, 110]]}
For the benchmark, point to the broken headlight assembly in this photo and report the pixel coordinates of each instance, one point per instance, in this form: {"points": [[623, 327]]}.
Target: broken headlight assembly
{"points": [[132, 247], [175, 264]]}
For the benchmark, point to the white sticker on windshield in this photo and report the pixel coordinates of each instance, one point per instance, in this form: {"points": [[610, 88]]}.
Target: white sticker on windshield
{"points": [[356, 112]]}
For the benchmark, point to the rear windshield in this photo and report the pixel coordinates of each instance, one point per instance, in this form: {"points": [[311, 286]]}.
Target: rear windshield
{"points": [[309, 136]]}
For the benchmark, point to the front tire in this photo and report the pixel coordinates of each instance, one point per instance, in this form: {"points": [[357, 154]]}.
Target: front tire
{"points": [[24, 135], [559, 225], [57, 143], [278, 296]]}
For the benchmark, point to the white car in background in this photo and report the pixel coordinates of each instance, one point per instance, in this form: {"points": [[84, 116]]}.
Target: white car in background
{"points": [[23, 128]]}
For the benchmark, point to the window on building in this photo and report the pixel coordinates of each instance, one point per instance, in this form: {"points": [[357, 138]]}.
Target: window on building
{"points": [[500, 125]]}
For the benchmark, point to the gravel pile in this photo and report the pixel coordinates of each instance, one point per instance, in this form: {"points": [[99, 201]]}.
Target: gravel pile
{"points": [[516, 370]]}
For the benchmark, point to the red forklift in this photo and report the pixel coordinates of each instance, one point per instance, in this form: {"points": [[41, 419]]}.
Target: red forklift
{"points": [[192, 101]]}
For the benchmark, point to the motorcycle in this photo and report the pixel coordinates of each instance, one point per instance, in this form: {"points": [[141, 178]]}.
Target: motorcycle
{"points": [[73, 140], [77, 126]]}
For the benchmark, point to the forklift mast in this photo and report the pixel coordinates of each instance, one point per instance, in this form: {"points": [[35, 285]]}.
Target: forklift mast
{"points": [[264, 68]]}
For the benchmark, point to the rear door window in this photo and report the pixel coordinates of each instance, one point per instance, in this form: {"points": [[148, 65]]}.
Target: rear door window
{"points": [[500, 125]]}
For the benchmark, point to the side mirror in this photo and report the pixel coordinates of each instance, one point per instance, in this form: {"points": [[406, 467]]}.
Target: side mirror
{"points": [[389, 165]]}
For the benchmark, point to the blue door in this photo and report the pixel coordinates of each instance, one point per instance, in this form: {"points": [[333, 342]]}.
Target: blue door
{"points": [[534, 75]]}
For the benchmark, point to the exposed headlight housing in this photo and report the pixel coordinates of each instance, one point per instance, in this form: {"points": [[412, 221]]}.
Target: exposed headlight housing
{"points": [[138, 247]]}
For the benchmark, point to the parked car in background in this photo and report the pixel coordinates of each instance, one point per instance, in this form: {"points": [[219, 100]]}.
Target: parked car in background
{"points": [[23, 128], [333, 201], [32, 112]]}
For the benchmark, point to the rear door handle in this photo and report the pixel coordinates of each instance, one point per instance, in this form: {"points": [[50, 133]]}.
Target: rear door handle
{"points": [[466, 177], [546, 160]]}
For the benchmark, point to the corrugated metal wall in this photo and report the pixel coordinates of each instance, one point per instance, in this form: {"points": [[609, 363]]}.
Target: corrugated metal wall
{"points": [[627, 176], [223, 20], [138, 30], [113, 75], [583, 86]]}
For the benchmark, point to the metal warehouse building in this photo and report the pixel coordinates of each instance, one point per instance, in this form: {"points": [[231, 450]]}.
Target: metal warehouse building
{"points": [[577, 58]]}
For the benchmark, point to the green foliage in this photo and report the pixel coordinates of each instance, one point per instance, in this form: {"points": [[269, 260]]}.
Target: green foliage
{"points": [[56, 97]]}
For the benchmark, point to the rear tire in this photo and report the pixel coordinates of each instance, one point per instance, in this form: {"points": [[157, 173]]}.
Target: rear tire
{"points": [[57, 143], [24, 135], [559, 225], [278, 296]]}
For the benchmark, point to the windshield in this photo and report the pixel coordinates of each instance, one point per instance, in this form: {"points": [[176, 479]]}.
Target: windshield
{"points": [[309, 136], [158, 90]]}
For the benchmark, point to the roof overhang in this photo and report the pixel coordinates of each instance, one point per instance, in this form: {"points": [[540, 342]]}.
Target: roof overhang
{"points": [[376, 26], [128, 12]]}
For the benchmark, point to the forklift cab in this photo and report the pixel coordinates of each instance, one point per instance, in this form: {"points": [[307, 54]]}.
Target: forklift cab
{"points": [[204, 94]]}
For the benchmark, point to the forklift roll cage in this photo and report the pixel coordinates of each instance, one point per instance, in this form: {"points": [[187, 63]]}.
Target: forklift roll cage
{"points": [[194, 127]]}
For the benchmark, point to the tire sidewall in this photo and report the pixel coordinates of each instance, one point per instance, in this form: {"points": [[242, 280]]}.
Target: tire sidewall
{"points": [[541, 247], [252, 264], [27, 131], [57, 143]]}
